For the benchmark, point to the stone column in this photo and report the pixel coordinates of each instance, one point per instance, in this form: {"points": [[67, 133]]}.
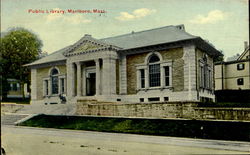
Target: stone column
{"points": [[97, 63], [79, 79], [70, 80], [123, 75], [83, 80], [109, 76]]}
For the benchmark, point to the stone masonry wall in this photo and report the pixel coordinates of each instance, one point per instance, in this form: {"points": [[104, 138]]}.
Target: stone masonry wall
{"points": [[178, 67], [186, 110], [43, 73]]}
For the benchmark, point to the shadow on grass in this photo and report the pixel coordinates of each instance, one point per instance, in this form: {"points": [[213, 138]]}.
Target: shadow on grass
{"points": [[223, 130]]}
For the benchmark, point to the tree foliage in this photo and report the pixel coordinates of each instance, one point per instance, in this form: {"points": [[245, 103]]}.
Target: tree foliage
{"points": [[219, 58], [18, 47]]}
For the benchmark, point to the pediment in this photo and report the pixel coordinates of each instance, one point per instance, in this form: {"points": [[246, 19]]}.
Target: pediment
{"points": [[86, 46]]}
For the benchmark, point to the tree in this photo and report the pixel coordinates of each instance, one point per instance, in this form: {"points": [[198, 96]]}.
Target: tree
{"points": [[219, 58], [18, 47]]}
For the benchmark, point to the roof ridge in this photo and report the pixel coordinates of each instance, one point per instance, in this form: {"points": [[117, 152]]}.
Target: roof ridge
{"points": [[138, 32]]}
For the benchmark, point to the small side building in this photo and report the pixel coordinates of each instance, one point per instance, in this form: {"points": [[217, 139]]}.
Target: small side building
{"points": [[15, 90], [233, 75]]}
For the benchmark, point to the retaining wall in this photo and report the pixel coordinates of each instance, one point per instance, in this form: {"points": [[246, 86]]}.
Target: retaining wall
{"points": [[188, 110]]}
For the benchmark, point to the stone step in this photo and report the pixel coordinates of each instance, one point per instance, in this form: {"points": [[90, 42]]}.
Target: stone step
{"points": [[10, 119]]}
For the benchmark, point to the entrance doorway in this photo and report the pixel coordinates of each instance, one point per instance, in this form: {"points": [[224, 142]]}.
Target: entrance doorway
{"points": [[91, 84]]}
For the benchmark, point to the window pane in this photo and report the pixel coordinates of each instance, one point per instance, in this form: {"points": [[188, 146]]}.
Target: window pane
{"points": [[154, 58], [240, 81], [154, 75], [62, 85], [46, 87], [166, 75], [240, 66], [14, 87], [54, 71], [142, 78], [55, 85]]}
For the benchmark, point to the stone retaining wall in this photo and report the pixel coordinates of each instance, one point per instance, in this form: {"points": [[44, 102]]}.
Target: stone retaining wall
{"points": [[188, 110]]}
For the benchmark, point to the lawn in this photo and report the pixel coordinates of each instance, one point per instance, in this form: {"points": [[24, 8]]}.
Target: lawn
{"points": [[223, 130]]}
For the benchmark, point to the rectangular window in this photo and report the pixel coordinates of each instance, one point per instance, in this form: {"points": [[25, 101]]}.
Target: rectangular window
{"points": [[54, 81], [240, 66], [240, 81], [154, 75], [205, 77], [166, 99], [46, 87], [153, 99], [18, 87], [142, 71], [141, 99], [62, 86], [201, 76], [166, 68], [14, 87], [209, 79]]}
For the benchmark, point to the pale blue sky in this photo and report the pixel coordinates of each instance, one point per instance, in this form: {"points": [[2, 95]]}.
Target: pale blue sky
{"points": [[223, 22]]}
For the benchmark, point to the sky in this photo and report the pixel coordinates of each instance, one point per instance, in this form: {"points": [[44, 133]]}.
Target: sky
{"points": [[224, 23]]}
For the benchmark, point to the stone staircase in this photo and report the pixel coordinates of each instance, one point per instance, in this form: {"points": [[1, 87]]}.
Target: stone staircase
{"points": [[10, 119]]}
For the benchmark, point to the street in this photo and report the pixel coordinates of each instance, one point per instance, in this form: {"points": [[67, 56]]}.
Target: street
{"points": [[29, 141]]}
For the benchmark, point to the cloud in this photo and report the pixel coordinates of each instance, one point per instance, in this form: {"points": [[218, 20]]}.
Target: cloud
{"points": [[212, 17], [136, 14], [72, 18]]}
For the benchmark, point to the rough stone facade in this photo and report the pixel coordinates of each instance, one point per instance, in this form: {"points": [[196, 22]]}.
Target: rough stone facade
{"points": [[178, 63], [186, 110], [132, 60], [175, 55]]}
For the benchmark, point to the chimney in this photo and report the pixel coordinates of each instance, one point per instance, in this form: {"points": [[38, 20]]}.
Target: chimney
{"points": [[181, 27], [87, 35], [245, 44]]}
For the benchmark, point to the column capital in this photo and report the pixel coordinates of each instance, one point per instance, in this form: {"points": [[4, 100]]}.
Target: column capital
{"points": [[78, 63]]}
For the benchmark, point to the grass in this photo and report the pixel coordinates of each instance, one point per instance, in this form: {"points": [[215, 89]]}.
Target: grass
{"points": [[224, 130]]}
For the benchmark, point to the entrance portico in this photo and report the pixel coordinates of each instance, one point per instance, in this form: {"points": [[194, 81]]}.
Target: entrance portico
{"points": [[91, 73]]}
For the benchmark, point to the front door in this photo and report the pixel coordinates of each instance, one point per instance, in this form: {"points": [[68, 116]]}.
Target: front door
{"points": [[90, 83]]}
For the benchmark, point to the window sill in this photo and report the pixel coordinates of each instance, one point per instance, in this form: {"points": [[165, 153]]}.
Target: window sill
{"points": [[155, 88]]}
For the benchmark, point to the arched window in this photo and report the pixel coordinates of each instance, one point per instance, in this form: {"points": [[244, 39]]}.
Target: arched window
{"points": [[154, 71], [54, 80]]}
